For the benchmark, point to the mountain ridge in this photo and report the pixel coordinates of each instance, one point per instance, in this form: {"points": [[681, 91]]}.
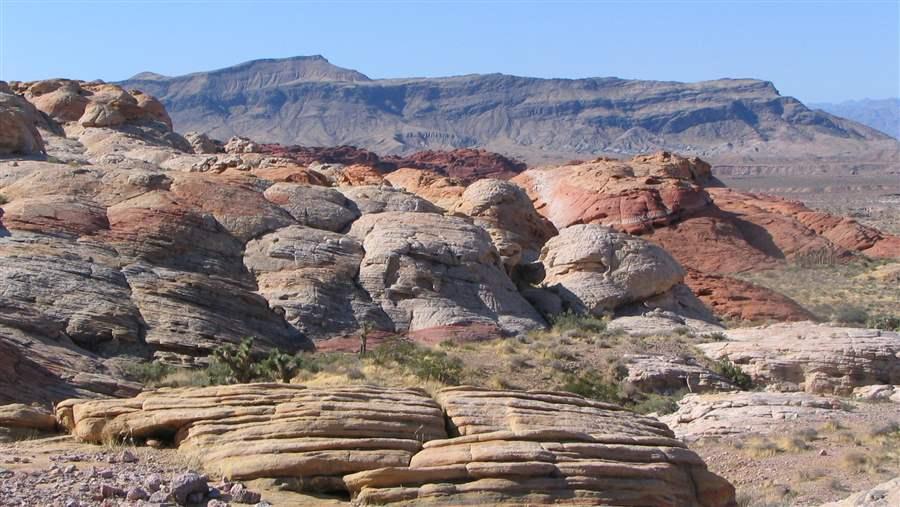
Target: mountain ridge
{"points": [[309, 101]]}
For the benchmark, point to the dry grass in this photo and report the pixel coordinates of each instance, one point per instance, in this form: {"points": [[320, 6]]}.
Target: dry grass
{"points": [[843, 292]]}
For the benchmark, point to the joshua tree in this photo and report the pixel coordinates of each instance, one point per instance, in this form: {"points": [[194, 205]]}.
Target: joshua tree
{"points": [[238, 360], [282, 367]]}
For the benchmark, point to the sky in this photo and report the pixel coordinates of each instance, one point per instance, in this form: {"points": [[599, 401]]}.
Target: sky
{"points": [[817, 51]]}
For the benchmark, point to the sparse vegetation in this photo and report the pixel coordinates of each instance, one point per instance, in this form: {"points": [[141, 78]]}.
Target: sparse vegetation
{"points": [[591, 385], [884, 322], [424, 363], [149, 373], [569, 321], [854, 292], [3, 200]]}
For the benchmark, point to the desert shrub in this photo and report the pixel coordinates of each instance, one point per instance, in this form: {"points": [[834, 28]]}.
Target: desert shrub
{"points": [[570, 321], [311, 362], [148, 373], [3, 200], [591, 385], [733, 373], [238, 361], [426, 364], [657, 403], [718, 336], [849, 314], [884, 322]]}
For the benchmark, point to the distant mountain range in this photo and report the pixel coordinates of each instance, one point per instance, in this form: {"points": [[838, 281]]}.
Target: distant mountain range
{"points": [[308, 101], [880, 114]]}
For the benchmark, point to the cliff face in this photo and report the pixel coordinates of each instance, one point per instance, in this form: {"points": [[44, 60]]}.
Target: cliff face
{"points": [[308, 101]]}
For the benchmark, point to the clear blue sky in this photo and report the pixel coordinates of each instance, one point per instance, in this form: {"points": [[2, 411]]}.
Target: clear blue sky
{"points": [[814, 50]]}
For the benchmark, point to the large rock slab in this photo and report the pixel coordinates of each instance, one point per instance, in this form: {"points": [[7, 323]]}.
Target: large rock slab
{"points": [[428, 270], [539, 448], [816, 358], [596, 269], [741, 413], [394, 446], [252, 431]]}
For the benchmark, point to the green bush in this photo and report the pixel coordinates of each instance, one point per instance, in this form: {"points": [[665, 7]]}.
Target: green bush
{"points": [[577, 322], [423, 363], [850, 315], [3, 200], [591, 385], [658, 403], [733, 373], [884, 322]]}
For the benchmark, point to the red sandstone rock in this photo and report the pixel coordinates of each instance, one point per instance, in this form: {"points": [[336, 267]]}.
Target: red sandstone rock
{"points": [[731, 298]]}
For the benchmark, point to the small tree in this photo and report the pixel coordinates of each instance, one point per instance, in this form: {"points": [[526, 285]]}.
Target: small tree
{"points": [[364, 331], [238, 360]]}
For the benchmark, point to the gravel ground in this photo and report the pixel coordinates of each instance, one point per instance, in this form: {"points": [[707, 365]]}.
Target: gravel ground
{"points": [[60, 472]]}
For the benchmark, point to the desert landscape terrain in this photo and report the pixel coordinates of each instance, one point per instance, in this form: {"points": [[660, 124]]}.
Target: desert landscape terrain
{"points": [[207, 298]]}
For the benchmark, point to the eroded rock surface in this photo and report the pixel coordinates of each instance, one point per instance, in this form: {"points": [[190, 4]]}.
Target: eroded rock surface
{"points": [[428, 270], [541, 448], [391, 446], [741, 413], [816, 358], [596, 269]]}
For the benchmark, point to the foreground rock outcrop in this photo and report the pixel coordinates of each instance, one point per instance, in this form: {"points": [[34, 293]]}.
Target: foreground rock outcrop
{"points": [[400, 447]]}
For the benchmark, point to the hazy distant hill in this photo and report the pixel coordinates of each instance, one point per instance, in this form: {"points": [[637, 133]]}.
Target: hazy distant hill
{"points": [[308, 101], [880, 114]]}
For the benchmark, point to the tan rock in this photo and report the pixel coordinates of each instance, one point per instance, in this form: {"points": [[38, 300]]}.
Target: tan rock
{"points": [[18, 132], [17, 415], [390, 446], [441, 190], [536, 448]]}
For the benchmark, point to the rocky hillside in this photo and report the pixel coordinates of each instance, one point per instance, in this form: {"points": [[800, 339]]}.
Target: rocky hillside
{"points": [[308, 101], [127, 238], [130, 254], [880, 114]]}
